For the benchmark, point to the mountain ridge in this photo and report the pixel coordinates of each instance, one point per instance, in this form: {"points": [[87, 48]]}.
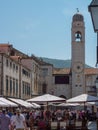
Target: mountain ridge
{"points": [[59, 63]]}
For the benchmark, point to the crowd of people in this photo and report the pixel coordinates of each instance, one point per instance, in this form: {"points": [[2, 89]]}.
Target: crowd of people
{"points": [[41, 119]]}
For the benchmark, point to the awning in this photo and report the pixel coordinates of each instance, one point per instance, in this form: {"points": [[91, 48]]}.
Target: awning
{"points": [[2, 104], [36, 105], [21, 102], [7, 102]]}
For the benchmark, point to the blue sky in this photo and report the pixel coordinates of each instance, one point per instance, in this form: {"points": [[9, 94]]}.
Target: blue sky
{"points": [[43, 27]]}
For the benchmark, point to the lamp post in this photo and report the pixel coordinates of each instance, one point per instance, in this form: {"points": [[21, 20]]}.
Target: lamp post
{"points": [[93, 9]]}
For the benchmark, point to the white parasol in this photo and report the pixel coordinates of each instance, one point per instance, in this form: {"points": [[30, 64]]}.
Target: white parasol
{"points": [[46, 98], [83, 98], [68, 104]]}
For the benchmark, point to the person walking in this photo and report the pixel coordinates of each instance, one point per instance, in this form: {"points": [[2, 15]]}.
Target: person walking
{"points": [[97, 118], [31, 121], [4, 120], [18, 122]]}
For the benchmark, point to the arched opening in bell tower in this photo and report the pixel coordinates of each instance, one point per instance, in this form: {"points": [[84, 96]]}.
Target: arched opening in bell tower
{"points": [[78, 36]]}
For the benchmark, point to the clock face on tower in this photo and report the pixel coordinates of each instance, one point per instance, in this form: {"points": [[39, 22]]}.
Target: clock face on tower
{"points": [[78, 67]]}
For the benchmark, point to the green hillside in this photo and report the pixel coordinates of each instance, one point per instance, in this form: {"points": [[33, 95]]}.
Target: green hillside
{"points": [[58, 63]]}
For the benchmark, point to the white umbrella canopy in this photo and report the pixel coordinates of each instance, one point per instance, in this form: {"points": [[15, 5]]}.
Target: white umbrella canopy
{"points": [[35, 105], [7, 102], [83, 98], [46, 98], [68, 104], [3, 104], [22, 102]]}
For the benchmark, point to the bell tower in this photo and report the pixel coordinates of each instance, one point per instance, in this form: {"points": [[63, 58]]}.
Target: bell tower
{"points": [[78, 54]]}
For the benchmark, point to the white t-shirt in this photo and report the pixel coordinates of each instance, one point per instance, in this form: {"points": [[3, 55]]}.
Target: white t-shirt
{"points": [[18, 121]]}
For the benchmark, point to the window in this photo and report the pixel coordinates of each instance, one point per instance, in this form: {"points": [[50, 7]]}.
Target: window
{"points": [[93, 88], [16, 68], [16, 87], [13, 66], [28, 89], [10, 85], [45, 71], [44, 88], [10, 64], [61, 79], [7, 63], [23, 88], [26, 73], [6, 84], [13, 86]]}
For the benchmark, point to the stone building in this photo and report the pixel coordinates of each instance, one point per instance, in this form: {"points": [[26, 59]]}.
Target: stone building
{"points": [[23, 76], [77, 79]]}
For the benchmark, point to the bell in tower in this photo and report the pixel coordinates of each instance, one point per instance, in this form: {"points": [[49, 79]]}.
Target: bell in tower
{"points": [[78, 36]]}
